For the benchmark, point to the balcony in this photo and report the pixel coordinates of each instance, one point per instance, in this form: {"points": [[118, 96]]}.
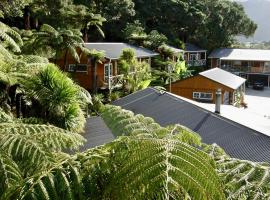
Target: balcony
{"points": [[115, 81], [196, 63], [246, 69]]}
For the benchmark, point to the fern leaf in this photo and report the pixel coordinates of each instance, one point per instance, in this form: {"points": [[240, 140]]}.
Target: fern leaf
{"points": [[165, 168], [10, 174]]}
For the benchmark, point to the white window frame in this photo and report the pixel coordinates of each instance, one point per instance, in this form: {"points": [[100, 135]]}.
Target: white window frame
{"points": [[111, 70], [198, 95], [193, 56], [71, 68]]}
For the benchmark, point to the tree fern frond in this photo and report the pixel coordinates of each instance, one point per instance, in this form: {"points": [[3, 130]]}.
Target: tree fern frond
{"points": [[242, 178], [123, 122], [61, 181], [165, 168], [4, 117], [10, 37], [10, 174], [51, 137]]}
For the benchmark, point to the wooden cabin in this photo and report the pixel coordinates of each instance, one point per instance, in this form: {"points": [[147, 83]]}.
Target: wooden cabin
{"points": [[252, 64], [194, 55], [91, 76], [203, 86]]}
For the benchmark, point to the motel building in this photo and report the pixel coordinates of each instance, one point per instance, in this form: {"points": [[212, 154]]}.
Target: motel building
{"points": [[251, 64]]}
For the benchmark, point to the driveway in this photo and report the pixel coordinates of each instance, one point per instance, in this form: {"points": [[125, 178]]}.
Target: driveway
{"points": [[256, 116], [258, 102]]}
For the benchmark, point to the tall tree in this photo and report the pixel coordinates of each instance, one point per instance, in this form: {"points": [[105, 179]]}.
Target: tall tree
{"points": [[63, 41], [209, 23], [116, 12], [82, 18]]}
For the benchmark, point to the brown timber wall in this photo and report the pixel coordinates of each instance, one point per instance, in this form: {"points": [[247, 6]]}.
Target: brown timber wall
{"points": [[186, 87]]}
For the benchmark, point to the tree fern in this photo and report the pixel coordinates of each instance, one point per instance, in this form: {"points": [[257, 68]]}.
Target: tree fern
{"points": [[4, 117], [123, 122], [9, 172], [151, 168], [243, 179], [10, 37], [51, 137], [61, 181]]}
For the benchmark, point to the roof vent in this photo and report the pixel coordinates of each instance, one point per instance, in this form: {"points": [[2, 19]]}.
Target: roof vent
{"points": [[218, 101]]}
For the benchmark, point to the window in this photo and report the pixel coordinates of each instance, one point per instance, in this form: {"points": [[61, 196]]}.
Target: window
{"points": [[196, 95], [237, 63], [202, 95], [108, 70], [193, 57], [77, 68]]}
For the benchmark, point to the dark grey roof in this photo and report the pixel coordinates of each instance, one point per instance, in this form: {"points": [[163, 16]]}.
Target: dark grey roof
{"points": [[225, 78], [192, 48], [241, 54], [237, 140], [114, 50], [96, 133]]}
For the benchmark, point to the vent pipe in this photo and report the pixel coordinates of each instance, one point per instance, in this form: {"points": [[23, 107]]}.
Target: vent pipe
{"points": [[218, 101]]}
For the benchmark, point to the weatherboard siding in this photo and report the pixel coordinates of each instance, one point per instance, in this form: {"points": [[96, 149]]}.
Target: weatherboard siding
{"points": [[186, 87], [85, 79]]}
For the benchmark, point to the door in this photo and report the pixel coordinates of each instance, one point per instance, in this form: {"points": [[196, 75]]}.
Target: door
{"points": [[226, 98], [108, 71]]}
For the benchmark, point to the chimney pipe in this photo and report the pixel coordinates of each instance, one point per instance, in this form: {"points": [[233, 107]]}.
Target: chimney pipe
{"points": [[218, 101]]}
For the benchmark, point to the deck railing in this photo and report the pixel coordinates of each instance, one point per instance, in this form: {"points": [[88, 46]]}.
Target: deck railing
{"points": [[196, 63], [246, 69]]}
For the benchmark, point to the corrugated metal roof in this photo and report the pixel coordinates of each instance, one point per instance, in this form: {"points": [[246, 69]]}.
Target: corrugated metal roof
{"points": [[114, 50], [241, 54], [192, 48], [225, 78], [237, 140], [96, 133]]}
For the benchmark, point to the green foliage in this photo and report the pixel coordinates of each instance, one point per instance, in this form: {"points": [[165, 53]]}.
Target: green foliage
{"points": [[134, 29], [127, 61], [170, 168], [63, 41], [123, 122], [243, 179], [155, 39], [213, 24], [28, 152], [58, 96], [10, 39], [136, 74], [80, 16], [13, 8], [98, 100], [173, 170]]}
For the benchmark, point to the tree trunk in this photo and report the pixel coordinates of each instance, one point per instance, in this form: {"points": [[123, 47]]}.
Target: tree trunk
{"points": [[35, 23], [65, 65], [19, 105], [27, 25], [55, 59], [85, 35]]}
